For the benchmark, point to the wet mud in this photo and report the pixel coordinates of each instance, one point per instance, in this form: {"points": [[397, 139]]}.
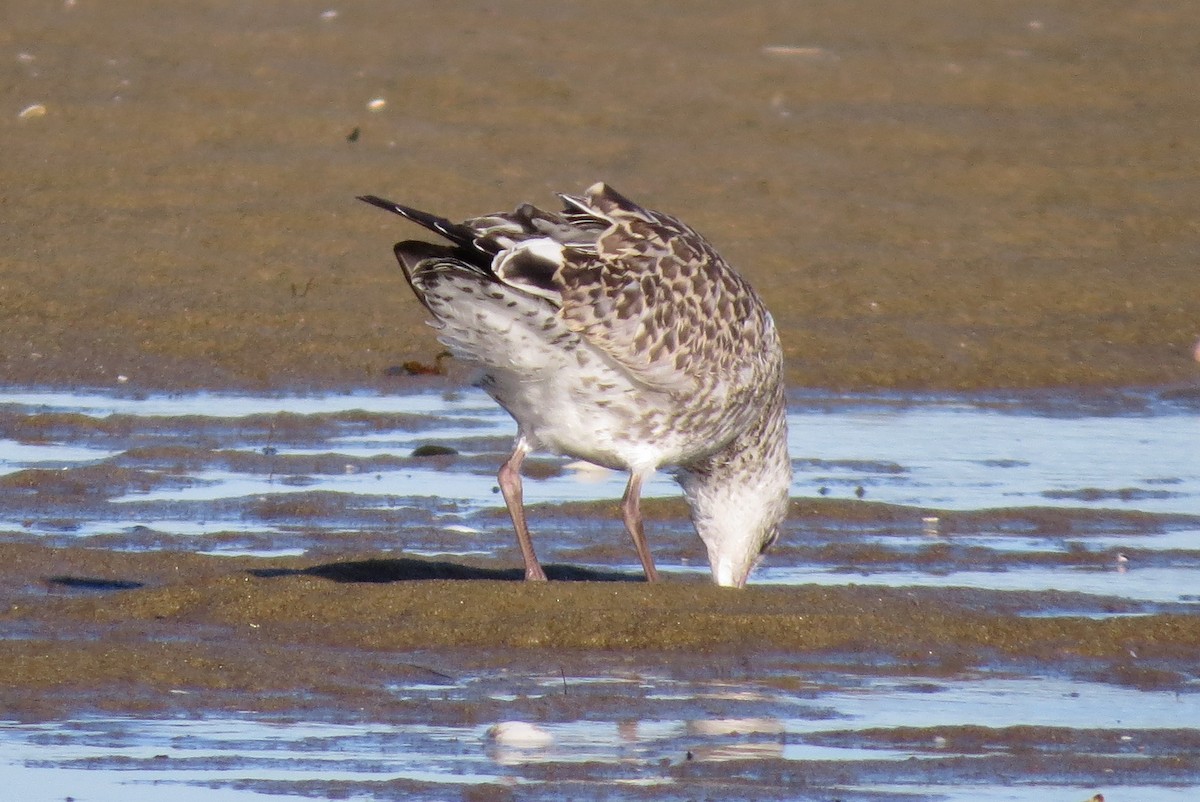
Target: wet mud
{"points": [[418, 603], [410, 644], [392, 641], [929, 197], [932, 197]]}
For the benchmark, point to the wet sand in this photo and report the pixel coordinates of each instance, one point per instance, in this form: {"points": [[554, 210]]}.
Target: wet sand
{"points": [[146, 623], [935, 196], [130, 623], [932, 197]]}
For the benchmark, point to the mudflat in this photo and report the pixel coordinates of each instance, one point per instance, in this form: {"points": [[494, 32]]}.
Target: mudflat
{"points": [[106, 629], [931, 196]]}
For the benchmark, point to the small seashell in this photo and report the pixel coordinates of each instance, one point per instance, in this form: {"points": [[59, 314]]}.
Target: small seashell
{"points": [[329, 14], [34, 110], [376, 104]]}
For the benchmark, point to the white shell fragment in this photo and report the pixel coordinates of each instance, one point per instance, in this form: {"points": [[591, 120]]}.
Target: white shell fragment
{"points": [[798, 51], [31, 111], [376, 104], [520, 734]]}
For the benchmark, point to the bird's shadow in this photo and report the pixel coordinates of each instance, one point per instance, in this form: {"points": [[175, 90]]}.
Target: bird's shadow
{"points": [[90, 583], [403, 569]]}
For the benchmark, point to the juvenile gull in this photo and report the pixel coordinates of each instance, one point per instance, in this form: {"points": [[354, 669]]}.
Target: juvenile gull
{"points": [[617, 335]]}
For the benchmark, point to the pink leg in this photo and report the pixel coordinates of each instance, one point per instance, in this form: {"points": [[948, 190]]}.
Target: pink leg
{"points": [[510, 485], [631, 511]]}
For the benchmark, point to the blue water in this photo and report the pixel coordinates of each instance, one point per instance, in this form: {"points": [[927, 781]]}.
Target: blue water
{"points": [[1078, 457], [1127, 453]]}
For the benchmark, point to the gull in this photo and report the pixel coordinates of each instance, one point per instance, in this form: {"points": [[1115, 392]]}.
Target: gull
{"points": [[617, 335]]}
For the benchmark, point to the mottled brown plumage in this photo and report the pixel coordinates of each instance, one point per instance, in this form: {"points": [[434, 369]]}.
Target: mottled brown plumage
{"points": [[618, 335]]}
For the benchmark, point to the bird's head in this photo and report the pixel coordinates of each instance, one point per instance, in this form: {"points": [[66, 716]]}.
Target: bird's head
{"points": [[738, 524], [739, 499]]}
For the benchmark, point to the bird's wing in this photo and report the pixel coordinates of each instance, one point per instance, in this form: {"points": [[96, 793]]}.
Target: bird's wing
{"points": [[657, 299], [642, 288]]}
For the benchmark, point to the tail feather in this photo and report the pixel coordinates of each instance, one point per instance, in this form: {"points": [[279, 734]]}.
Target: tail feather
{"points": [[419, 259], [455, 232]]}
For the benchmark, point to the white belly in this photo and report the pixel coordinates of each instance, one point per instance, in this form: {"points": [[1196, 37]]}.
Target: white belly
{"points": [[605, 427]]}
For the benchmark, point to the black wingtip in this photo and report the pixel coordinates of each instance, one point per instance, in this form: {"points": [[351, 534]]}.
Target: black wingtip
{"points": [[382, 203], [430, 221], [448, 229]]}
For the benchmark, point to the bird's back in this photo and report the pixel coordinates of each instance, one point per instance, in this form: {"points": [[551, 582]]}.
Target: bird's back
{"points": [[606, 317]]}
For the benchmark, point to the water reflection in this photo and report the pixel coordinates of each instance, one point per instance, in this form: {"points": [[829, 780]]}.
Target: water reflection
{"points": [[652, 739]]}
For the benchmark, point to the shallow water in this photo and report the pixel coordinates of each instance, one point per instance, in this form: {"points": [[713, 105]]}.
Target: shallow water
{"points": [[249, 474], [1000, 195], [764, 731], [229, 474]]}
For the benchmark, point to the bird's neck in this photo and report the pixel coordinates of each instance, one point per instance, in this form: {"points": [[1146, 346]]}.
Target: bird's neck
{"points": [[739, 495]]}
